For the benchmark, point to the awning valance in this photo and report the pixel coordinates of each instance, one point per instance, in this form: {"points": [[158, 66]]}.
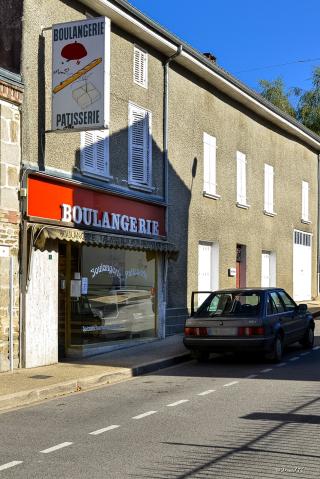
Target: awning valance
{"points": [[43, 232]]}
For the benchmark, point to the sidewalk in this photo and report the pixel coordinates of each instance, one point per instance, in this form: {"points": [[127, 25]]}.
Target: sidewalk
{"points": [[314, 308], [26, 386]]}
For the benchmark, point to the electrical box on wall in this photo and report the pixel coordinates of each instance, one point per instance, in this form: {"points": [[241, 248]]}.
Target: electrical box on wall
{"points": [[232, 272]]}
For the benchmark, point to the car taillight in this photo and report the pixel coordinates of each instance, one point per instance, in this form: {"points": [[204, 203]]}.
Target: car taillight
{"points": [[189, 331], [195, 331], [251, 331]]}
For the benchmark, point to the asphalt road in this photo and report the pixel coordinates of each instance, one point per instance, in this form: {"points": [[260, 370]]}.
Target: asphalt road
{"points": [[227, 418]]}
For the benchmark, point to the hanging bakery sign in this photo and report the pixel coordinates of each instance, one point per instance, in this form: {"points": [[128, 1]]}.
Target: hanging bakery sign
{"points": [[81, 74]]}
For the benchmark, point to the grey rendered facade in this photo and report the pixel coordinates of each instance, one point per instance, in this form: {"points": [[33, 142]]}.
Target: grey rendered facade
{"points": [[202, 99]]}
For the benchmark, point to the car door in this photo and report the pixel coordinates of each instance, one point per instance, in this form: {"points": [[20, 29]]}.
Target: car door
{"points": [[298, 321], [284, 317]]}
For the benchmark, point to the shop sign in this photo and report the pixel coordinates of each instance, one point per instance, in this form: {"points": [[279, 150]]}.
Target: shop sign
{"points": [[110, 221], [71, 205], [81, 74]]}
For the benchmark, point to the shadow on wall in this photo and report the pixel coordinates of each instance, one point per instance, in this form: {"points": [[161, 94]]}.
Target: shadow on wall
{"points": [[179, 200]]}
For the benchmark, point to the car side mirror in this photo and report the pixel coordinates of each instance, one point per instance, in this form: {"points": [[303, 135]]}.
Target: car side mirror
{"points": [[302, 308]]}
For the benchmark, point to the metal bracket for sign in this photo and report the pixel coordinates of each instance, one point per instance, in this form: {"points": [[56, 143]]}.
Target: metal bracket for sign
{"points": [[78, 130]]}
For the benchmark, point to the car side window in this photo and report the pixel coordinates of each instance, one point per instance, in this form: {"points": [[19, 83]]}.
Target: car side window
{"points": [[271, 307], [288, 302], [277, 301]]}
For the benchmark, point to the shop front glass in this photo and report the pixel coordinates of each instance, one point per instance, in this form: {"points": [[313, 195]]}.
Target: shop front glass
{"points": [[116, 298]]}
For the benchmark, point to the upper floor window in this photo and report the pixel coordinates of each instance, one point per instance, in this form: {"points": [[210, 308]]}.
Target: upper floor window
{"points": [[94, 153], [140, 147], [209, 165], [268, 188], [241, 180], [140, 67], [305, 202]]}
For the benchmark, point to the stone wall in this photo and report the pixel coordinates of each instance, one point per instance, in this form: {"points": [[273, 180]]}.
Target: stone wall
{"points": [[10, 161]]}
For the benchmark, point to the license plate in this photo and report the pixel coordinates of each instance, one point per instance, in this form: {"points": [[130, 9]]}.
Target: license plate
{"points": [[222, 331]]}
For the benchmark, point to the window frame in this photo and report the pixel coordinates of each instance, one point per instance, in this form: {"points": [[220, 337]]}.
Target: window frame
{"points": [[269, 189], [305, 196], [241, 180], [210, 166]]}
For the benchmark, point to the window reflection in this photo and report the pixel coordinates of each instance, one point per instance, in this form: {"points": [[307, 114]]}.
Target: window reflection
{"points": [[118, 300]]}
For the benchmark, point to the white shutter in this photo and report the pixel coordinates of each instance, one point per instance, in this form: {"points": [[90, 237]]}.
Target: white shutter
{"points": [[209, 164], [305, 200], [140, 67], [101, 152], [139, 146], [94, 154], [241, 178], [268, 188]]}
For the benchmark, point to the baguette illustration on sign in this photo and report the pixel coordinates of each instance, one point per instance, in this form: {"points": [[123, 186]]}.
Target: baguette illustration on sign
{"points": [[81, 74]]}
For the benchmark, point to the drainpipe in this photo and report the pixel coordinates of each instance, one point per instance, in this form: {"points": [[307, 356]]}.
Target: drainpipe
{"points": [[23, 260], [166, 128], [166, 66]]}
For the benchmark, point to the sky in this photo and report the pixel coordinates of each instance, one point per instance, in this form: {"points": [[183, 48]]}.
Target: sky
{"points": [[248, 37]]}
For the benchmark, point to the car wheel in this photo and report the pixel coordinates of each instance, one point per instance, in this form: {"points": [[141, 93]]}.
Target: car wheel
{"points": [[308, 339], [277, 350], [201, 356]]}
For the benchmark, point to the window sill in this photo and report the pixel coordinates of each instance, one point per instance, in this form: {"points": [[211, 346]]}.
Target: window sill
{"points": [[306, 222], [242, 205], [148, 189], [96, 176], [213, 196], [269, 213], [143, 85]]}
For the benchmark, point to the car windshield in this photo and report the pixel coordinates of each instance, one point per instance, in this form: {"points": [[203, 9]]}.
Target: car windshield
{"points": [[235, 304]]}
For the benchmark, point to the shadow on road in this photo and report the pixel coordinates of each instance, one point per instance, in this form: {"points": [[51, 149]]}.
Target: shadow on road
{"points": [[267, 445]]}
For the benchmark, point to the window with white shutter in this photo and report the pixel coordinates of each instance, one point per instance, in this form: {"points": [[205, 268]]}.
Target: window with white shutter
{"points": [[94, 152], [139, 147], [241, 179], [268, 188], [305, 201], [140, 67], [209, 164]]}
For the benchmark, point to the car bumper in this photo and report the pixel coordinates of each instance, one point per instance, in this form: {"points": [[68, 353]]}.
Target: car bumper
{"points": [[228, 344]]}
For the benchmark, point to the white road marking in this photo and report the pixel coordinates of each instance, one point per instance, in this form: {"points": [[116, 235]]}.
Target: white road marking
{"points": [[140, 416], [266, 370], [55, 448], [304, 354], [281, 364], [10, 464], [315, 348], [204, 393], [294, 359], [251, 376], [105, 429], [230, 384], [177, 402]]}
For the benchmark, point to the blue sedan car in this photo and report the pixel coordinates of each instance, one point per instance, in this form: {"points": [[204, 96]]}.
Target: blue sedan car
{"points": [[251, 319]]}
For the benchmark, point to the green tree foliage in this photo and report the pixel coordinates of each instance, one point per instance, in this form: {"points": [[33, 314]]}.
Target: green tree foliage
{"points": [[308, 110], [274, 91]]}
